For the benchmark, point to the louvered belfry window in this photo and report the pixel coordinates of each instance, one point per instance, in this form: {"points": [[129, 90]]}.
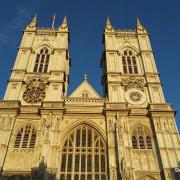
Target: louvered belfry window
{"points": [[83, 156], [25, 138], [42, 61]]}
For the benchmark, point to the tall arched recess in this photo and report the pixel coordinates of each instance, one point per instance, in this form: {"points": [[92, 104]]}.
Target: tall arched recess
{"points": [[83, 155]]}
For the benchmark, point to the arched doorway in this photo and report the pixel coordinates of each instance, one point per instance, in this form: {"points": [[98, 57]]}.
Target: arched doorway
{"points": [[83, 155]]}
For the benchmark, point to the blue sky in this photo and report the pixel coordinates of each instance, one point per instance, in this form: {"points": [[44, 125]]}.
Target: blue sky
{"points": [[86, 20]]}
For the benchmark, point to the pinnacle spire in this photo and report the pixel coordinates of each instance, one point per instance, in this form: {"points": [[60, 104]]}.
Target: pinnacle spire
{"points": [[139, 26], [64, 23], [138, 23], [108, 23], [33, 22], [64, 20]]}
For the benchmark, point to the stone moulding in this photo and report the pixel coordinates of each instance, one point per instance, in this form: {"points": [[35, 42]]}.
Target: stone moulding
{"points": [[116, 106], [160, 107], [138, 111], [9, 104], [90, 100], [53, 104], [29, 109]]}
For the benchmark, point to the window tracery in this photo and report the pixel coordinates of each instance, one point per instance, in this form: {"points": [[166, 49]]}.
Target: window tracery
{"points": [[83, 155], [129, 62], [42, 61], [25, 138], [141, 138]]}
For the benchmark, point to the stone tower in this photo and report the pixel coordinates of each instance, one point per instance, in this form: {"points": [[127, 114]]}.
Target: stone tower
{"points": [[44, 53], [45, 134], [146, 135]]}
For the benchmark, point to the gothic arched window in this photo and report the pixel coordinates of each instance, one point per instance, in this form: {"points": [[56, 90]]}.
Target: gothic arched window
{"points": [[148, 142], [141, 138], [42, 61], [26, 137], [134, 142], [129, 62], [83, 155], [141, 142]]}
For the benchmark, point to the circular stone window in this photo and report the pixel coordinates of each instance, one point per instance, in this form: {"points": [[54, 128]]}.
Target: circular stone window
{"points": [[135, 96]]}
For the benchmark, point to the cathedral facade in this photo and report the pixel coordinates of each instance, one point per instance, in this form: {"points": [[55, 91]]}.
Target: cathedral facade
{"points": [[130, 133]]}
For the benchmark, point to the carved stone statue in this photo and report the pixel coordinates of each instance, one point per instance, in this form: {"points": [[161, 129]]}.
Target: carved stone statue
{"points": [[133, 82]]}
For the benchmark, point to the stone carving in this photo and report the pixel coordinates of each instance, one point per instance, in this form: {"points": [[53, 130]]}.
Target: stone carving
{"points": [[47, 125], [113, 173], [111, 125], [35, 90], [133, 82], [124, 171]]}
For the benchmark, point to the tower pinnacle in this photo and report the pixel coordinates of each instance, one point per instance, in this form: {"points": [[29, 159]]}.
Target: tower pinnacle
{"points": [[33, 23], [138, 23], [108, 24], [64, 23], [139, 26]]}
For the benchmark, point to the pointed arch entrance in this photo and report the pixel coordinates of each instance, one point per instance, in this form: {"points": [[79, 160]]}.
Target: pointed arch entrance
{"points": [[83, 155]]}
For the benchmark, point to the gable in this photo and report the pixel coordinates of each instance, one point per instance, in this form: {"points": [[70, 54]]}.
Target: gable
{"points": [[85, 90]]}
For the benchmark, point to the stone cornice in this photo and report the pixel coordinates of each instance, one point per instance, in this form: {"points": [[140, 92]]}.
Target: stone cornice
{"points": [[160, 107], [12, 172], [138, 112], [34, 74], [116, 73], [146, 51], [26, 48], [53, 104], [125, 32], [116, 106], [154, 83], [17, 70], [49, 31], [55, 71], [111, 50], [9, 104], [15, 80], [29, 109], [151, 73]]}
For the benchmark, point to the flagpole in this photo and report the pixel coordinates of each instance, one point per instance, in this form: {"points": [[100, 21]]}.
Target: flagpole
{"points": [[53, 20]]}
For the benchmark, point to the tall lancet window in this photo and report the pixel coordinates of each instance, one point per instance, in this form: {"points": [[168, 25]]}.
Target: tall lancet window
{"points": [[129, 62], [42, 61], [83, 155]]}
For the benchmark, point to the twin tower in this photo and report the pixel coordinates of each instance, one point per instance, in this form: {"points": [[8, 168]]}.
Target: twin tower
{"points": [[130, 133]]}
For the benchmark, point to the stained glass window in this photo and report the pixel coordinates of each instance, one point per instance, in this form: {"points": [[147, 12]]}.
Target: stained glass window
{"points": [[83, 155]]}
